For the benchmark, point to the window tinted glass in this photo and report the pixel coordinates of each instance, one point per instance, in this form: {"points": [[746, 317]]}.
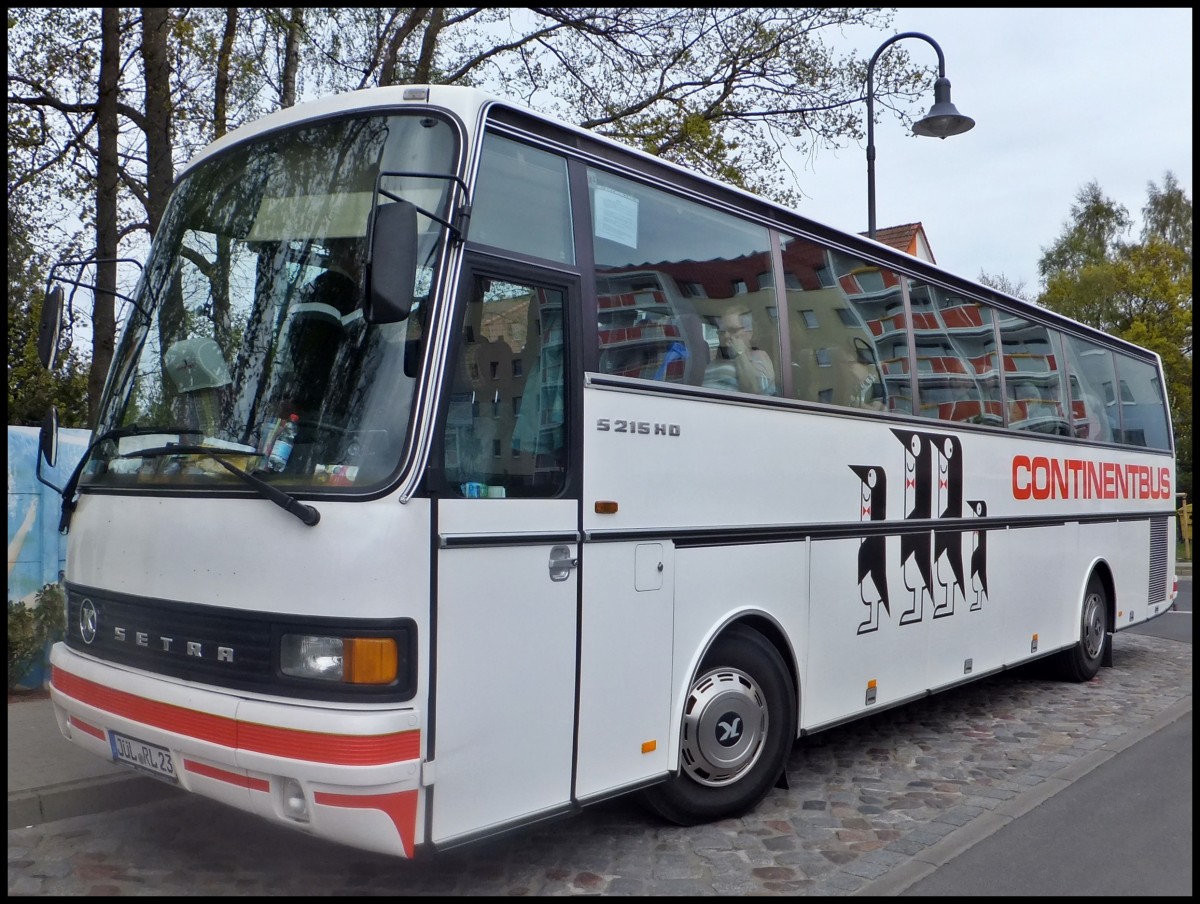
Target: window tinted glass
{"points": [[1094, 411], [1032, 376], [679, 290], [504, 426], [1143, 408], [957, 365], [846, 319], [522, 202]]}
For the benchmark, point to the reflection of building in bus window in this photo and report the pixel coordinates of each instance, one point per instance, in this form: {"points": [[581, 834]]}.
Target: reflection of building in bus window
{"points": [[1094, 423], [739, 364]]}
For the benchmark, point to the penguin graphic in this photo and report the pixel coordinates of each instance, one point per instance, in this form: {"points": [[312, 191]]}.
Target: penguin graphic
{"points": [[915, 546], [978, 555], [872, 551], [947, 544]]}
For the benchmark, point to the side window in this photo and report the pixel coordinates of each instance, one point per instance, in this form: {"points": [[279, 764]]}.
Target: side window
{"points": [[680, 290], [504, 431], [1143, 408], [1033, 377], [848, 339], [958, 372], [522, 202], [1094, 414]]}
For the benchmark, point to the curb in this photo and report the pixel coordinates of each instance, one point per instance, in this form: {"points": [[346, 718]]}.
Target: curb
{"points": [[84, 798], [919, 866]]}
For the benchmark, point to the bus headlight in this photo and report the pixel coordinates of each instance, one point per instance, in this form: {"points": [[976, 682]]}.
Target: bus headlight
{"points": [[350, 660]]}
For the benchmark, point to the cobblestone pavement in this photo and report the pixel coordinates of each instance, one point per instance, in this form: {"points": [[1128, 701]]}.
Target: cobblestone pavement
{"points": [[865, 799]]}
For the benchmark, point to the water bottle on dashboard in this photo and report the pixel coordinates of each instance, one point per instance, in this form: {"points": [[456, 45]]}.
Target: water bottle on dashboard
{"points": [[281, 449]]}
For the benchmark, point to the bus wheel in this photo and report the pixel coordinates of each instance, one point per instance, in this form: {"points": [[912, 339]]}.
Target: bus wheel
{"points": [[739, 722], [1082, 661]]}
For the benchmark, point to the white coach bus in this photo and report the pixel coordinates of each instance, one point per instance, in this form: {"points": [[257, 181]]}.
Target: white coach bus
{"points": [[458, 468]]}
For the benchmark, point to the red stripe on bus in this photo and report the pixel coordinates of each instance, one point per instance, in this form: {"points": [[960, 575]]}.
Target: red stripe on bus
{"points": [[188, 722], [316, 747], [87, 729], [224, 775], [401, 808]]}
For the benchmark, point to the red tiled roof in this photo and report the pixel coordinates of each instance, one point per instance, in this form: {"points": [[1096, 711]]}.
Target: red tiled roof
{"points": [[901, 237], [905, 238]]}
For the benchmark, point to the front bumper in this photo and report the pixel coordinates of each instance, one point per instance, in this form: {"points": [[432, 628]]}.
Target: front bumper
{"points": [[359, 769]]}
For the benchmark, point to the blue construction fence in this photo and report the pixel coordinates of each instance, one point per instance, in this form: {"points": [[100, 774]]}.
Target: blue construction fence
{"points": [[37, 552]]}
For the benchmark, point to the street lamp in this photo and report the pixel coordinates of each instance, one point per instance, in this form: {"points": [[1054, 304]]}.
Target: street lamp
{"points": [[941, 121]]}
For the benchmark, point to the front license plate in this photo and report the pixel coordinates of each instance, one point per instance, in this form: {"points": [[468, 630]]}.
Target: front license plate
{"points": [[143, 756]]}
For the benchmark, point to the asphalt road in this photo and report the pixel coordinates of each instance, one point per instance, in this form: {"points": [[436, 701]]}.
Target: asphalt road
{"points": [[1124, 828]]}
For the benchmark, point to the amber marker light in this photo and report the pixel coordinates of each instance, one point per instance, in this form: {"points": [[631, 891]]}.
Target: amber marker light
{"points": [[606, 507], [649, 746], [370, 660]]}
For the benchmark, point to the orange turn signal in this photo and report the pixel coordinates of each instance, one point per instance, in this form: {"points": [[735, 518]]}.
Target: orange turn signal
{"points": [[369, 660]]}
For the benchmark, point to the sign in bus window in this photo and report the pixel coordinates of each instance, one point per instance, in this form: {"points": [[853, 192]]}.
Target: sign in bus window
{"points": [[669, 272]]}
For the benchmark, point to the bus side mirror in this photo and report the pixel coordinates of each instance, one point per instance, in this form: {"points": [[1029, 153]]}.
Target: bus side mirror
{"points": [[50, 327], [48, 438], [391, 273], [48, 447]]}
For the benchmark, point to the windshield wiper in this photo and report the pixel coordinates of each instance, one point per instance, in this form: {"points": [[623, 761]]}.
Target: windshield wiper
{"points": [[285, 501], [69, 495]]}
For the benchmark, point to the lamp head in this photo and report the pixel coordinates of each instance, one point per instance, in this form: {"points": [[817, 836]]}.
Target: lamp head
{"points": [[943, 118]]}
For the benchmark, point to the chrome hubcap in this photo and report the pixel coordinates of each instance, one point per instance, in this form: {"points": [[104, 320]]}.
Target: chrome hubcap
{"points": [[724, 725], [1093, 625]]}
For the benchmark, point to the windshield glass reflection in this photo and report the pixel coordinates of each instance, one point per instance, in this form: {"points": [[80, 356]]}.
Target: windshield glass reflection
{"points": [[255, 290]]}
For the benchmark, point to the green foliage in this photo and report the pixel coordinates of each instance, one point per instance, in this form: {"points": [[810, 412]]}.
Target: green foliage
{"points": [[1138, 290], [31, 389], [31, 628]]}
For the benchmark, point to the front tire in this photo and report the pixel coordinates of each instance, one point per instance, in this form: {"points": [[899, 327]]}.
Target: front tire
{"points": [[739, 722], [1082, 661]]}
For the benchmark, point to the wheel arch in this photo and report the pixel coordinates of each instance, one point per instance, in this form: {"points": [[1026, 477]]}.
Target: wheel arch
{"points": [[769, 628], [1103, 571]]}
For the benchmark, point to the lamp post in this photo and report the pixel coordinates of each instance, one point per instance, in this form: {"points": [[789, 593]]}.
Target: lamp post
{"points": [[941, 121]]}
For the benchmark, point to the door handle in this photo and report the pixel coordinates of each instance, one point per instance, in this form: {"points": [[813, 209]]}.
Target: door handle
{"points": [[561, 563]]}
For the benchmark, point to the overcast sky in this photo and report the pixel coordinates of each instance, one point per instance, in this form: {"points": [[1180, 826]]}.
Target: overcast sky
{"points": [[1059, 97]]}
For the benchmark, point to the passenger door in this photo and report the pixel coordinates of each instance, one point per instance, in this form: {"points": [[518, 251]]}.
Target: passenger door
{"points": [[506, 563]]}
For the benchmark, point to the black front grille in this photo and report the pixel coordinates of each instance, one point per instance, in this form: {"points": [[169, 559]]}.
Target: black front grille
{"points": [[224, 647]]}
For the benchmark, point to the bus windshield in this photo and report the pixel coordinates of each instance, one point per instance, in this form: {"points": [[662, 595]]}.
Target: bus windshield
{"points": [[249, 321]]}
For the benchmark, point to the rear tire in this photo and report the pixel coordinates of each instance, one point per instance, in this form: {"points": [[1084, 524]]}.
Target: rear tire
{"points": [[1082, 661], [739, 722]]}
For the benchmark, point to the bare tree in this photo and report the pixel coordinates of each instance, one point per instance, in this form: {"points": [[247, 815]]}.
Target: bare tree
{"points": [[107, 175], [724, 91]]}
